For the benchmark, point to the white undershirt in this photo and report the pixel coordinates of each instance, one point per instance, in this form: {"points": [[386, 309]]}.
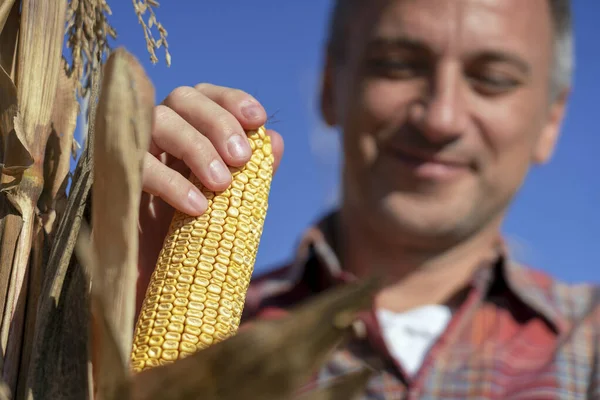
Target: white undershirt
{"points": [[410, 335]]}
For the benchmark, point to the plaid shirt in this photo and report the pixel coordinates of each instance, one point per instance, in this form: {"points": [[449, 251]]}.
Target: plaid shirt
{"points": [[518, 335]]}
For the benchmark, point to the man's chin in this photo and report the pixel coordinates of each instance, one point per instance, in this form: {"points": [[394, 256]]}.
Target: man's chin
{"points": [[423, 221]]}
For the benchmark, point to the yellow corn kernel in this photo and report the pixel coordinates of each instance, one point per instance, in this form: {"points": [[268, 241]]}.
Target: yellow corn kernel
{"points": [[198, 288]]}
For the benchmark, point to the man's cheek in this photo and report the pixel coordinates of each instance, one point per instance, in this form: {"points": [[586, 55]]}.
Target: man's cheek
{"points": [[507, 175], [379, 101]]}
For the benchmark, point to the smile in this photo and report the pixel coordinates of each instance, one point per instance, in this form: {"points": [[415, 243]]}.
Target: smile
{"points": [[430, 167]]}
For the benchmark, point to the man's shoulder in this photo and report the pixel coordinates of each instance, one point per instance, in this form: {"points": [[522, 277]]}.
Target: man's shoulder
{"points": [[276, 272], [273, 289], [573, 301]]}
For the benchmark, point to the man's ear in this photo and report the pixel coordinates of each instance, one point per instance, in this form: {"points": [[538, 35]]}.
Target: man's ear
{"points": [[327, 90], [546, 142]]}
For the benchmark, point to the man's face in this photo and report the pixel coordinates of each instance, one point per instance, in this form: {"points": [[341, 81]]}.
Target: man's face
{"points": [[443, 105]]}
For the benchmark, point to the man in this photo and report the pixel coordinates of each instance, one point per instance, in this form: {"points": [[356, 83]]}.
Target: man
{"points": [[443, 106]]}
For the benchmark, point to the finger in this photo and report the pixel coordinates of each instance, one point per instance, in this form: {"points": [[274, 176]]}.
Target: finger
{"points": [[176, 164], [277, 147], [166, 183], [172, 134], [222, 129], [244, 107]]}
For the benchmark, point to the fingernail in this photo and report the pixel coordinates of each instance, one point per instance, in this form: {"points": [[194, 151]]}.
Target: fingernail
{"points": [[196, 201], [238, 147], [220, 173], [251, 110]]}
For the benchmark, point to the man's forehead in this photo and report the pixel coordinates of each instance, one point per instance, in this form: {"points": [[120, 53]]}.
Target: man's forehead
{"points": [[462, 22]]}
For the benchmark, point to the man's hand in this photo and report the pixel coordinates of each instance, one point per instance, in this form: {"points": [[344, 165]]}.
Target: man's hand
{"points": [[199, 129]]}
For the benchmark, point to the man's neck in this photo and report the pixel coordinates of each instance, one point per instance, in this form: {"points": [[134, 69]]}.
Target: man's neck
{"points": [[412, 277]]}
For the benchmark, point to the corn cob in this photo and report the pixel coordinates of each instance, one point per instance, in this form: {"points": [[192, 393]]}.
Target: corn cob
{"points": [[197, 292]]}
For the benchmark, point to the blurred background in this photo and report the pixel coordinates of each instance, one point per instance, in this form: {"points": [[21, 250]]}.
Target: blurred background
{"points": [[274, 51]]}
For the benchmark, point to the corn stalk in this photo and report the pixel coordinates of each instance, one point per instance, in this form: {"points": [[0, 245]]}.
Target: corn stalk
{"points": [[68, 258], [28, 125]]}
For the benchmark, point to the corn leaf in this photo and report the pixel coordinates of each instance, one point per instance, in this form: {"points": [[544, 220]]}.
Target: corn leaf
{"points": [[345, 387], [61, 335], [5, 8], [10, 19], [59, 150], [35, 276], [56, 169], [122, 136], [278, 355], [4, 392], [16, 156], [113, 384], [39, 65], [111, 378], [11, 224]]}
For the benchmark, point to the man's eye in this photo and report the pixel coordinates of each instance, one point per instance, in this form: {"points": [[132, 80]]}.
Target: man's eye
{"points": [[396, 69], [494, 84]]}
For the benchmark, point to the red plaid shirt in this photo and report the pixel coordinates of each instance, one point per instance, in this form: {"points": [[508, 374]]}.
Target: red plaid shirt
{"points": [[518, 335]]}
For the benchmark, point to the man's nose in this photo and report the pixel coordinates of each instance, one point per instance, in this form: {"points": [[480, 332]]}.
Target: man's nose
{"points": [[443, 113]]}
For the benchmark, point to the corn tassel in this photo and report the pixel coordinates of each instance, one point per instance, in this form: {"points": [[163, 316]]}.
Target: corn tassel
{"points": [[197, 292]]}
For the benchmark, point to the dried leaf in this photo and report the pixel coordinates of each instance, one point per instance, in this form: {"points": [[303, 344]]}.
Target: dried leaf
{"points": [[15, 156], [62, 336], [4, 391], [35, 275], [9, 37], [112, 376], [39, 65], [11, 224], [13, 318], [279, 355], [114, 383], [5, 8], [58, 150], [123, 125], [345, 387], [58, 366]]}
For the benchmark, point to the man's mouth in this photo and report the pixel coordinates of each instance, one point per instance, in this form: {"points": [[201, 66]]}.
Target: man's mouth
{"points": [[430, 167]]}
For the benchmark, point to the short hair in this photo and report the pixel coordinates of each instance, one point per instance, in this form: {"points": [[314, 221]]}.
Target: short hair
{"points": [[562, 73], [564, 53]]}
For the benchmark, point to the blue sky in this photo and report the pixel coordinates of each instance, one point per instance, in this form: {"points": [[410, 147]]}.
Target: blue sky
{"points": [[274, 51]]}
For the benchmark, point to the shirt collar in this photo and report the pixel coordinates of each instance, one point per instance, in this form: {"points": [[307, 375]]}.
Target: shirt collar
{"points": [[316, 265], [536, 290]]}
